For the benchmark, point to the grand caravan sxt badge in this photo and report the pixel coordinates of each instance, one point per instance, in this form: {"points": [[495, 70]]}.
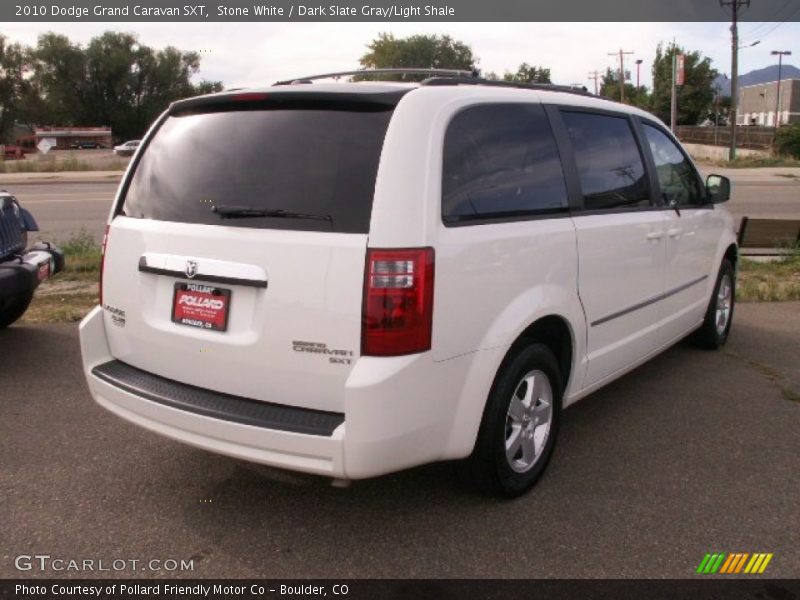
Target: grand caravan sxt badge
{"points": [[337, 357]]}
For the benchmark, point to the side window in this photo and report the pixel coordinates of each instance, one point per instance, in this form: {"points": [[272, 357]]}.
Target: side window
{"points": [[679, 182], [500, 160], [609, 163]]}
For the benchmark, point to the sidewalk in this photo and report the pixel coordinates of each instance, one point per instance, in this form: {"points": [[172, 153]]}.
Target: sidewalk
{"points": [[60, 177]]}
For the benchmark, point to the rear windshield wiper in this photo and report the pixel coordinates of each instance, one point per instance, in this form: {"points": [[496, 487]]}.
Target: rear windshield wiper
{"points": [[226, 211]]}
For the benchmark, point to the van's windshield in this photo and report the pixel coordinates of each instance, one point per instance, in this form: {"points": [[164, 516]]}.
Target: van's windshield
{"points": [[318, 162]]}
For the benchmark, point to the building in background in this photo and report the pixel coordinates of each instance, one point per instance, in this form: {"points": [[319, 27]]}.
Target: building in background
{"points": [[76, 137], [757, 103]]}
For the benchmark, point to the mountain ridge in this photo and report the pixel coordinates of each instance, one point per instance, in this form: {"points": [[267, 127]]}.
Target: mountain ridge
{"points": [[756, 77]]}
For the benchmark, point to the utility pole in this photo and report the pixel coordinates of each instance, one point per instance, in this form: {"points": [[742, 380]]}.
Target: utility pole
{"points": [[621, 54], [594, 75], [673, 102], [734, 4], [781, 54]]}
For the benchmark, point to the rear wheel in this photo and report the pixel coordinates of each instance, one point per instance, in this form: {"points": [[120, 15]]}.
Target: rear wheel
{"points": [[716, 326], [520, 424], [13, 308]]}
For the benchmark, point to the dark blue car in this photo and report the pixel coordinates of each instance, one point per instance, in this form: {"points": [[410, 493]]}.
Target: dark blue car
{"points": [[22, 269]]}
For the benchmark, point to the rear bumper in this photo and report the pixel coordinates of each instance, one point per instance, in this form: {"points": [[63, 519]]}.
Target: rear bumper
{"points": [[399, 412], [301, 452], [24, 274]]}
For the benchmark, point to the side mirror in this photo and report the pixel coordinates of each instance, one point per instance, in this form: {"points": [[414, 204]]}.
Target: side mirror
{"points": [[718, 188], [28, 222]]}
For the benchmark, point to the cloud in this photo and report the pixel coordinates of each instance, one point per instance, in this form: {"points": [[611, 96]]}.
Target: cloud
{"points": [[252, 54]]}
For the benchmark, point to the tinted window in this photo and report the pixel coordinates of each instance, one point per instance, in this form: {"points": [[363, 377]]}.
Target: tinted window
{"points": [[500, 161], [678, 179], [609, 163], [321, 162]]}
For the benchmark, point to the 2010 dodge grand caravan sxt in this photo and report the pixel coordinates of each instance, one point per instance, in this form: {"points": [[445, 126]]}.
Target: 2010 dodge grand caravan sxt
{"points": [[350, 279]]}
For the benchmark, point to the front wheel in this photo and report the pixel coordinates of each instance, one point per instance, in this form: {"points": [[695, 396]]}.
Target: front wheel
{"points": [[520, 424], [13, 308], [713, 333]]}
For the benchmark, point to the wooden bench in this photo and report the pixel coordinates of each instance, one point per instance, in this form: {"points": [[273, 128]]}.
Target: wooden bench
{"points": [[777, 235]]}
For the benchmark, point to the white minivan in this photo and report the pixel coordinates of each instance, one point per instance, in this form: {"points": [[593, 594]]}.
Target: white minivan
{"points": [[349, 279]]}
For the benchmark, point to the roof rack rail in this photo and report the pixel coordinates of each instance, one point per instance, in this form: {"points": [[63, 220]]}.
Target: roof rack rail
{"points": [[550, 87], [433, 73]]}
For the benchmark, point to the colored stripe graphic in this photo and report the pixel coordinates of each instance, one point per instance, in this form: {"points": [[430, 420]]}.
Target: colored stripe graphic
{"points": [[715, 564], [734, 563], [752, 562], [727, 564], [740, 564], [703, 563], [765, 563]]}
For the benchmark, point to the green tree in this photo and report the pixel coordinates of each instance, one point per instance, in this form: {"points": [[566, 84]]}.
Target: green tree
{"points": [[59, 69], [787, 140], [14, 85], [609, 88], [114, 80], [528, 74], [695, 97], [417, 51]]}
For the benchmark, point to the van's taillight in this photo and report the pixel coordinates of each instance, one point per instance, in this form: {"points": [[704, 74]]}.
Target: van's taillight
{"points": [[103, 261], [398, 302]]}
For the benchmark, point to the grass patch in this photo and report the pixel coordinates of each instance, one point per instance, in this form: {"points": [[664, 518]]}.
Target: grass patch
{"points": [[776, 280], [82, 257], [66, 307], [52, 164]]}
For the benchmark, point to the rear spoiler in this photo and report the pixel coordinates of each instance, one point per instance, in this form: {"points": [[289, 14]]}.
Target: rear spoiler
{"points": [[294, 99]]}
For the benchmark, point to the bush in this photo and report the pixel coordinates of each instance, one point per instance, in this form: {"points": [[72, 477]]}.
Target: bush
{"points": [[787, 140], [82, 253]]}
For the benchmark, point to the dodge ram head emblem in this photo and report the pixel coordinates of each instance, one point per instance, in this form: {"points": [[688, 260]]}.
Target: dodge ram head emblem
{"points": [[191, 268]]}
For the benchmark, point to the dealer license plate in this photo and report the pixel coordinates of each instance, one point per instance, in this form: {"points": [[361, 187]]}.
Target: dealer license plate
{"points": [[203, 306]]}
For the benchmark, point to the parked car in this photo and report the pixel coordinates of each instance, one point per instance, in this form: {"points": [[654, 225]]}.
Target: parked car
{"points": [[14, 152], [127, 149], [85, 145], [351, 279], [21, 269]]}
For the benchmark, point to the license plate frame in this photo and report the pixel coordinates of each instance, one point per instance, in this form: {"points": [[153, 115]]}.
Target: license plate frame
{"points": [[200, 310]]}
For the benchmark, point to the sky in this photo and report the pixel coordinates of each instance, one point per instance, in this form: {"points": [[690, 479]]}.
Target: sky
{"points": [[254, 54]]}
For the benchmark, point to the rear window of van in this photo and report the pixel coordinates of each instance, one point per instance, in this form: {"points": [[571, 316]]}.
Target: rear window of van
{"points": [[315, 162]]}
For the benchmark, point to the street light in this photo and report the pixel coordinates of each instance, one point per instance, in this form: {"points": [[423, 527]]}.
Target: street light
{"points": [[639, 62], [780, 54], [750, 45]]}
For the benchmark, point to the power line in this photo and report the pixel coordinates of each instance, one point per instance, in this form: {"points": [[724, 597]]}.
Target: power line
{"points": [[769, 31], [767, 22]]}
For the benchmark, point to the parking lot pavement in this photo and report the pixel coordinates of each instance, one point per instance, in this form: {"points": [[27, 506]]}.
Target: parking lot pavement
{"points": [[693, 452]]}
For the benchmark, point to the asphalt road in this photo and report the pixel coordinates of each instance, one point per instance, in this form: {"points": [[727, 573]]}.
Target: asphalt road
{"points": [[62, 209], [694, 452]]}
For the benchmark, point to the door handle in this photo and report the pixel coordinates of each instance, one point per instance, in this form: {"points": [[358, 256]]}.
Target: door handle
{"points": [[674, 232], [655, 235]]}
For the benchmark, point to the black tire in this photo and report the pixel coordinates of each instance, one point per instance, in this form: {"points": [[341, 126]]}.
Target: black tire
{"points": [[13, 308], [709, 335], [489, 467]]}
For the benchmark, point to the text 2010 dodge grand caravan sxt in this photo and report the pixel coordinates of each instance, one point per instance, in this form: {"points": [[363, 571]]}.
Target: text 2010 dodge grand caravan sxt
{"points": [[354, 278]]}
